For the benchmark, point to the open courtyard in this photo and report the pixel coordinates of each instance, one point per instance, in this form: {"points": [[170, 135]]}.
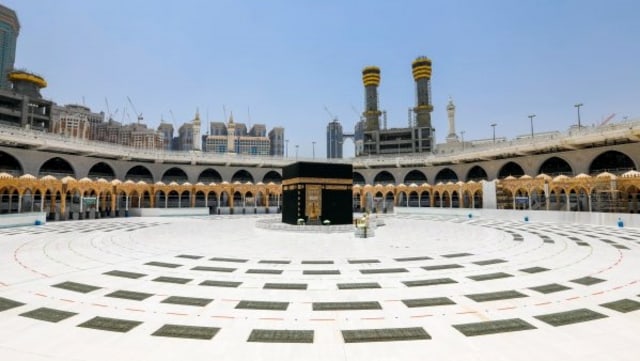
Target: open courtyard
{"points": [[220, 288]]}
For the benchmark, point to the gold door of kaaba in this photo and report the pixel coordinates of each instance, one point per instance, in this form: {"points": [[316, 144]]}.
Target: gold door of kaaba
{"points": [[313, 202]]}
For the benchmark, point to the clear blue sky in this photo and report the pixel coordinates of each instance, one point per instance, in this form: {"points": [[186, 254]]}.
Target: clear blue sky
{"points": [[287, 60]]}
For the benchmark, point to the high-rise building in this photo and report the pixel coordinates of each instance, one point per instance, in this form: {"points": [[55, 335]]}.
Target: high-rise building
{"points": [[335, 139], [23, 104], [9, 29], [185, 137], [167, 133], [234, 138], [276, 138], [76, 121], [196, 137]]}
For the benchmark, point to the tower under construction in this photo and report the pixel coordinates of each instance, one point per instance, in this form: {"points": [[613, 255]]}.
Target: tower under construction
{"points": [[371, 80], [418, 136]]}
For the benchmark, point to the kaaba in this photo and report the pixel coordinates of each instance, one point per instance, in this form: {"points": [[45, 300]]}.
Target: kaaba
{"points": [[317, 192]]}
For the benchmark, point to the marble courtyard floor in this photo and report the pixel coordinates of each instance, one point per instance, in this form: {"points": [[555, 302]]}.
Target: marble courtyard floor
{"points": [[426, 287]]}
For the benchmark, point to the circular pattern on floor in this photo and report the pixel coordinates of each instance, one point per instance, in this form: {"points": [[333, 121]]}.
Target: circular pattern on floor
{"points": [[218, 287]]}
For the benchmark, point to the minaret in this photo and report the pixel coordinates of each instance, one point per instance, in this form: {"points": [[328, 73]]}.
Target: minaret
{"points": [[371, 80], [451, 114], [196, 138], [231, 135], [422, 75]]}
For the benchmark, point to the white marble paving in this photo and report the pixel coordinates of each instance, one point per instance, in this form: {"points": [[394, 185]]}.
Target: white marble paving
{"points": [[32, 259]]}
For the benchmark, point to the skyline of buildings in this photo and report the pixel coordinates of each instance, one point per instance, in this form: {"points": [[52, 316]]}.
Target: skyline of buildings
{"points": [[22, 104]]}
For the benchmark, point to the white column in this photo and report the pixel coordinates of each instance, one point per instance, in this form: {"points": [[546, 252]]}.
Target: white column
{"points": [[19, 203], [126, 203]]}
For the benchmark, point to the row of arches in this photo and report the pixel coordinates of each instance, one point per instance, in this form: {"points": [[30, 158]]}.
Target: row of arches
{"points": [[382, 202], [610, 161], [69, 198], [60, 168]]}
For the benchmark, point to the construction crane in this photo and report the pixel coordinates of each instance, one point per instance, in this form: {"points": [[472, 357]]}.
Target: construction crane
{"points": [[138, 115], [330, 114], [173, 118], [606, 120], [109, 114]]}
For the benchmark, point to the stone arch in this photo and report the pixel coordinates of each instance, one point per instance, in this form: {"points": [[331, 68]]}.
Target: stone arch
{"points": [[476, 174], [10, 164], [9, 199], [160, 199], [173, 199], [425, 199], [633, 199], [358, 179], [238, 199], [611, 161], [102, 170], [200, 198], [415, 176], [174, 174], [401, 199], [388, 201], [378, 202], [554, 166], [477, 199], [437, 199], [413, 199], [384, 177], [145, 201], [139, 173], [510, 169], [446, 175], [135, 199], [225, 199], [272, 176], [538, 199], [56, 167], [455, 199], [210, 175], [185, 199], [212, 200], [242, 176]]}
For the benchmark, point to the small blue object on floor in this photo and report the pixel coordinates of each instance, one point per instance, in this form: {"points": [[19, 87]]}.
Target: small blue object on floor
{"points": [[620, 223]]}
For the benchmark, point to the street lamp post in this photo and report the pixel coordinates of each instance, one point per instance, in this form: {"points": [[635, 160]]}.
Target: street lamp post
{"points": [[493, 125], [578, 107], [313, 149], [287, 148], [297, 146], [531, 120]]}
